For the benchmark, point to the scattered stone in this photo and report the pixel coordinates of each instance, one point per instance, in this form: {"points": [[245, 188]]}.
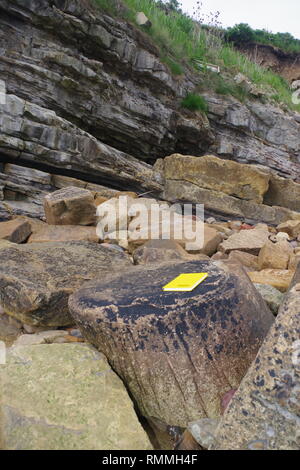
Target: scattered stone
{"points": [[280, 236], [275, 255], [65, 397], [246, 259], [36, 279], [64, 233], [134, 315], [15, 231], [70, 206], [264, 413], [291, 227], [250, 241], [211, 220], [273, 297], [142, 20], [278, 278]]}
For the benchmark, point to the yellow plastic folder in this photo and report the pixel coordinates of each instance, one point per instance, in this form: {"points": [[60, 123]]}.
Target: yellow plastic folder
{"points": [[185, 282]]}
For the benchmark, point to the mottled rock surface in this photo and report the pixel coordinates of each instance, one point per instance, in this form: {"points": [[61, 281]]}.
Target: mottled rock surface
{"points": [[37, 279], [264, 414], [65, 397], [272, 296], [178, 352]]}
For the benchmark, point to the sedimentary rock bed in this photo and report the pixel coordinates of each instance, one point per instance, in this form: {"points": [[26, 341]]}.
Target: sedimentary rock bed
{"points": [[177, 352]]}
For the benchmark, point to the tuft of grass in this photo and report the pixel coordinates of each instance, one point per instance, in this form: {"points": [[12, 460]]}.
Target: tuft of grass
{"points": [[175, 68], [195, 103]]}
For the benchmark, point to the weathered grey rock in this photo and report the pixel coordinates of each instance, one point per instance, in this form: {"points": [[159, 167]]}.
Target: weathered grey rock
{"points": [[178, 352], [36, 279], [65, 397], [272, 296], [264, 413], [255, 132]]}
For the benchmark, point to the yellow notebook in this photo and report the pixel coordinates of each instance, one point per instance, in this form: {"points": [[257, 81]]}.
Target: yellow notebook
{"points": [[185, 282]]}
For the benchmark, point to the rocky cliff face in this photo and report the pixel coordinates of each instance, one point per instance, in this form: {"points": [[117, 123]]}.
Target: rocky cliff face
{"points": [[88, 97]]}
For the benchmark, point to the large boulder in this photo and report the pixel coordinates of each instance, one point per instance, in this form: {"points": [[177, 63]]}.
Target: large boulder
{"points": [[36, 279], [209, 172], [65, 397], [250, 241], [70, 206], [177, 352], [264, 412]]}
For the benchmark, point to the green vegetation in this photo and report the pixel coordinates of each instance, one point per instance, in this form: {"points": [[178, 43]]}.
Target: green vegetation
{"points": [[243, 33], [195, 103], [181, 41]]}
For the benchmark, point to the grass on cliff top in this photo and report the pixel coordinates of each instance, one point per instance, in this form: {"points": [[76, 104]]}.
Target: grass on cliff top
{"points": [[181, 43]]}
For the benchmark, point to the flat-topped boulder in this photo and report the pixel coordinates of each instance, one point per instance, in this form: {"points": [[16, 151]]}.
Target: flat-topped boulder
{"points": [[178, 353], [36, 279], [243, 181], [65, 397], [250, 241], [70, 206], [264, 412]]}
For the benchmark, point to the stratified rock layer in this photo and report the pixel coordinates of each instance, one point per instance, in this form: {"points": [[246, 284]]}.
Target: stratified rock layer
{"points": [[265, 412], [37, 279], [177, 352], [65, 397]]}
